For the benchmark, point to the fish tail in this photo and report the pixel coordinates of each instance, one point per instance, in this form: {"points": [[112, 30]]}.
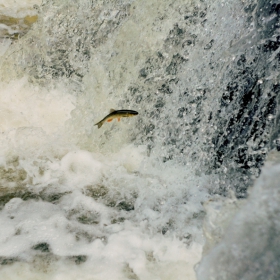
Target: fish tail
{"points": [[99, 124]]}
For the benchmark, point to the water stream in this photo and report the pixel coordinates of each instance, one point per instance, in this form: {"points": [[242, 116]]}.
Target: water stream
{"points": [[177, 192]]}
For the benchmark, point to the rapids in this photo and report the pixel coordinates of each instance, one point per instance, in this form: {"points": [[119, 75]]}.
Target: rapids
{"points": [[188, 189]]}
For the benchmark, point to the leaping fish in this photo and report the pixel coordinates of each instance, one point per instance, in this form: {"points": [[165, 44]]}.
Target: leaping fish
{"points": [[117, 114]]}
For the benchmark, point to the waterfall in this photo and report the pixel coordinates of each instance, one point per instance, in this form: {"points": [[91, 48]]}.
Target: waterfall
{"points": [[151, 196]]}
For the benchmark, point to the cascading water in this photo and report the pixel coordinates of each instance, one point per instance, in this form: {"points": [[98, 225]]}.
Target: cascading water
{"points": [[138, 199]]}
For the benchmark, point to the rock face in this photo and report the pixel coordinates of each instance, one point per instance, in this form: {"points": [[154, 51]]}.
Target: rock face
{"points": [[14, 27], [16, 18]]}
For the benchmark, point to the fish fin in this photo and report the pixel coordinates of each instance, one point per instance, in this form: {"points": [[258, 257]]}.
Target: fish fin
{"points": [[112, 110], [109, 120], [99, 124], [119, 119]]}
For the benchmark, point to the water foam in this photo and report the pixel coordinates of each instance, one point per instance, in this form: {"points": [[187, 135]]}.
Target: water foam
{"points": [[115, 215], [18, 8], [32, 117], [81, 202]]}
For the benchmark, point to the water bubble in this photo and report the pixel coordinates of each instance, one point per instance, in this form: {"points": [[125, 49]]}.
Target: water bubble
{"points": [[270, 116]]}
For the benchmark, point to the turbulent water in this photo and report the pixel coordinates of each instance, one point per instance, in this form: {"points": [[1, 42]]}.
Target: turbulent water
{"points": [[177, 192]]}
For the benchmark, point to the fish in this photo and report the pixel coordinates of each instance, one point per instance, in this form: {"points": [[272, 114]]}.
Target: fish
{"points": [[117, 114]]}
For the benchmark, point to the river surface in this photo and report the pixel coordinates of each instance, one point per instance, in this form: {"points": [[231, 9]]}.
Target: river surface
{"points": [[188, 188]]}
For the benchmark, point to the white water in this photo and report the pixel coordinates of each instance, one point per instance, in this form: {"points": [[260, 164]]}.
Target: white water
{"points": [[250, 243], [18, 8], [85, 203], [86, 238]]}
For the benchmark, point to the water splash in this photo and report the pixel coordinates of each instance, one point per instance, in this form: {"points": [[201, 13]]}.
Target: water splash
{"points": [[205, 82]]}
